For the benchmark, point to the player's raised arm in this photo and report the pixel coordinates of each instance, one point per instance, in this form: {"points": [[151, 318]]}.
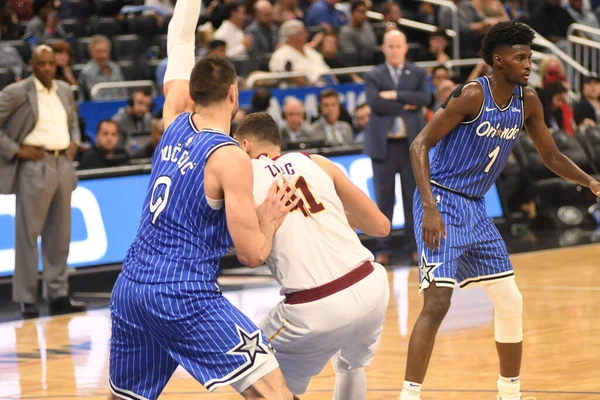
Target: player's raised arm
{"points": [[556, 161], [252, 229], [463, 104], [362, 212], [181, 59]]}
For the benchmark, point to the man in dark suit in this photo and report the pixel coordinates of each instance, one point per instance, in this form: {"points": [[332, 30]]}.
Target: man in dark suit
{"points": [[39, 136], [396, 91]]}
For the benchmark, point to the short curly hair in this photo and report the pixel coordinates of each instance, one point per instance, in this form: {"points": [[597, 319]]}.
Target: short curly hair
{"points": [[508, 33]]}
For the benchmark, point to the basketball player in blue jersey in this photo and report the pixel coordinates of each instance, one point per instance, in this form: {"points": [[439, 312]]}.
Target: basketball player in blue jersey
{"points": [[167, 308], [474, 133]]}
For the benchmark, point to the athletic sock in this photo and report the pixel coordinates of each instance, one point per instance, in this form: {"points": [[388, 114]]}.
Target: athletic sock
{"points": [[410, 391], [509, 388]]}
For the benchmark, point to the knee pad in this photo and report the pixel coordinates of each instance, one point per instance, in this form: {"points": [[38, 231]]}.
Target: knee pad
{"points": [[508, 311]]}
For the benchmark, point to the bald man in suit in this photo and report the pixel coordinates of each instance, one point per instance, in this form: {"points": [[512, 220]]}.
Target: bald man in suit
{"points": [[39, 137], [396, 92]]}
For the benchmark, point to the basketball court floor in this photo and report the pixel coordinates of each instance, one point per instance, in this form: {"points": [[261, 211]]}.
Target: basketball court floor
{"points": [[67, 357]]}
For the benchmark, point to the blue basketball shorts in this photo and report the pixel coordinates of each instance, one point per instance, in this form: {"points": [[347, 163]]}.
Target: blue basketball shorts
{"points": [[157, 327], [473, 251]]}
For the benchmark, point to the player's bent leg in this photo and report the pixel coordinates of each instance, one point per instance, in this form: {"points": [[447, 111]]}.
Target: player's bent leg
{"points": [[436, 305], [271, 386], [508, 332], [350, 383]]}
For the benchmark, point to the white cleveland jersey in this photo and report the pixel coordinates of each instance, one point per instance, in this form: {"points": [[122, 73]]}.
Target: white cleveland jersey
{"points": [[315, 244]]}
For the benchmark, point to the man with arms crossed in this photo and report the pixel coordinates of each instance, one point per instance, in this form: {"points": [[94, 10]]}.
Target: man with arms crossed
{"points": [[336, 297], [167, 308], [474, 133]]}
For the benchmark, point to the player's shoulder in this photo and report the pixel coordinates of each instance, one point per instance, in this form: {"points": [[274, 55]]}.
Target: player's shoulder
{"points": [[530, 94], [468, 96]]}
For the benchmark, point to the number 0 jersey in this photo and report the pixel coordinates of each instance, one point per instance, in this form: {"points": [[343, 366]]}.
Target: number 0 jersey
{"points": [[471, 156], [180, 237], [315, 244]]}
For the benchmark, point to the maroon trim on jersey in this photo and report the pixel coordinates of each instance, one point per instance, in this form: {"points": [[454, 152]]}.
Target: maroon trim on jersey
{"points": [[341, 283], [276, 157], [306, 154]]}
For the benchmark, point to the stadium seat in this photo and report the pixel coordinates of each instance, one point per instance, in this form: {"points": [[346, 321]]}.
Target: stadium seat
{"points": [[80, 8], [76, 26], [161, 42], [108, 7], [126, 47], [6, 77], [590, 141], [77, 69], [143, 26], [527, 155], [22, 47], [129, 69], [107, 26], [571, 147], [82, 49]]}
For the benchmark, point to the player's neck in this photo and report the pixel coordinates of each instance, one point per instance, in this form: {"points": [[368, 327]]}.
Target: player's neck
{"points": [[214, 118], [269, 151], [502, 91]]}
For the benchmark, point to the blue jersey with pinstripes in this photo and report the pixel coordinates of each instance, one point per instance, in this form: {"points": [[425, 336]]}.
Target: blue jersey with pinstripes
{"points": [[471, 156], [180, 237]]}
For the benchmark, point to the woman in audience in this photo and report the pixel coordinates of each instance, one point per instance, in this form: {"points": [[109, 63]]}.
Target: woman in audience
{"points": [[557, 113], [587, 110], [284, 10], [62, 55], [9, 21], [491, 9]]}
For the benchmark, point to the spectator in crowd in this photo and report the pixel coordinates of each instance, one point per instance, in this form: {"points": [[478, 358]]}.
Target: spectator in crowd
{"points": [[230, 31], [551, 70], [264, 34], [551, 20], [332, 57], [295, 55], [491, 9], [101, 69], [105, 153], [557, 113], [396, 92], [362, 113], [39, 137], [215, 13], [584, 17], [45, 25], [514, 9], [587, 110], [294, 127], [23, 10], [217, 47], [472, 26], [323, 13], [62, 55], [135, 118], [9, 21], [329, 126], [444, 89], [358, 38], [437, 48], [285, 10], [165, 7], [260, 101], [438, 74], [11, 59], [391, 12], [147, 151]]}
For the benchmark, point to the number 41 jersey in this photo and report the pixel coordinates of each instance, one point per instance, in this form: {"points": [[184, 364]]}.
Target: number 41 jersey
{"points": [[315, 244], [471, 156], [180, 237]]}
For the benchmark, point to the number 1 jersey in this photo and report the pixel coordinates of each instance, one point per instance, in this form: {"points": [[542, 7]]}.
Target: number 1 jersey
{"points": [[471, 156], [181, 237], [315, 244]]}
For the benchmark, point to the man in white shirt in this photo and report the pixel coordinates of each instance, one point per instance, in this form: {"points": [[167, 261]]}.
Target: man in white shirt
{"points": [[231, 31], [39, 136], [294, 55]]}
